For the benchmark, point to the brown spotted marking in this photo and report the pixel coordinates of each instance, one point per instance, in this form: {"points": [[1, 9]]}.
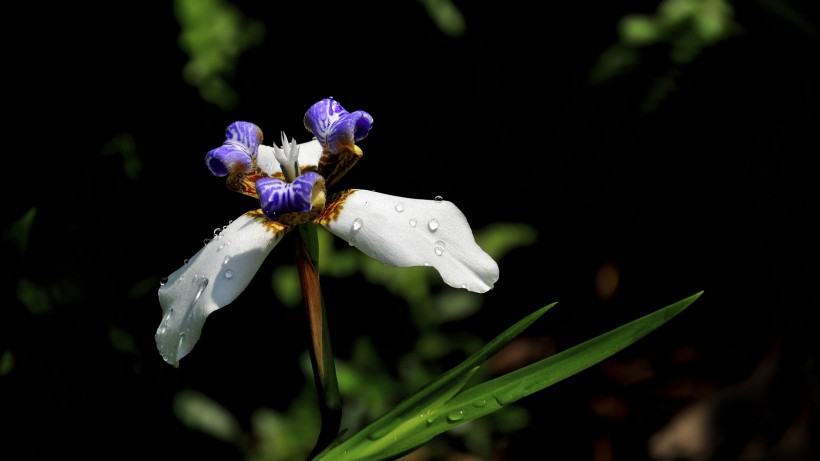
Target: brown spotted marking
{"points": [[276, 228], [332, 166], [333, 208]]}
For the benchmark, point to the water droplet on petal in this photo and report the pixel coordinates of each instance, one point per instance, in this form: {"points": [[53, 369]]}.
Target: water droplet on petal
{"points": [[163, 281], [464, 285], [439, 248], [226, 260], [217, 231], [186, 261], [400, 207], [357, 224], [457, 415], [480, 403], [201, 281], [413, 222], [433, 225], [438, 199], [427, 263], [206, 241], [228, 274]]}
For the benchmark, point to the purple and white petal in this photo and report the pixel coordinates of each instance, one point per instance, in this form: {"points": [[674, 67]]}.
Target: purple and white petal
{"points": [[279, 197], [212, 279], [334, 127], [410, 232], [237, 152]]}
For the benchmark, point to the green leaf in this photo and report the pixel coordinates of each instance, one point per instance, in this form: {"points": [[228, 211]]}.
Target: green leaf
{"points": [[401, 430], [410, 415]]}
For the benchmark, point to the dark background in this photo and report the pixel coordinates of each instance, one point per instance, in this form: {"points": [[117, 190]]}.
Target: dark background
{"points": [[712, 188]]}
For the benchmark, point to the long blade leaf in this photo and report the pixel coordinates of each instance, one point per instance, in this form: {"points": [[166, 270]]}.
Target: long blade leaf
{"points": [[492, 395], [411, 411]]}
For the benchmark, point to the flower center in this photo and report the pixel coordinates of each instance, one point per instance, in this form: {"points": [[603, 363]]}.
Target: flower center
{"points": [[295, 202], [288, 157]]}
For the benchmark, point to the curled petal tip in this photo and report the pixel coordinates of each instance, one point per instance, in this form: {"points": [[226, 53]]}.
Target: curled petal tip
{"points": [[237, 152], [336, 128]]}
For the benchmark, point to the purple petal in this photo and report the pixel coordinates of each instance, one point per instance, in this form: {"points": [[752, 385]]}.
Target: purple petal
{"points": [[336, 128], [237, 153], [278, 197]]}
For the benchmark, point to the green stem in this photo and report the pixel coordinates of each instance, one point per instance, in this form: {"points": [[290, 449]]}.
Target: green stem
{"points": [[321, 353]]}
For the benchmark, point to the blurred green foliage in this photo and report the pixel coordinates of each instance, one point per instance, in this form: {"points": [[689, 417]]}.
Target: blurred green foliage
{"points": [[214, 33], [682, 28], [125, 146], [17, 234], [446, 16], [6, 363]]}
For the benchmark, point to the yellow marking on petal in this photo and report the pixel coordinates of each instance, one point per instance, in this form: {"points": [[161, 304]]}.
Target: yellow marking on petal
{"points": [[332, 166], [305, 169], [317, 204], [278, 229], [334, 207]]}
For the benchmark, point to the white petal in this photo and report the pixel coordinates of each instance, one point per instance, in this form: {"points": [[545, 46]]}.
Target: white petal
{"points": [[410, 232], [309, 153], [211, 279]]}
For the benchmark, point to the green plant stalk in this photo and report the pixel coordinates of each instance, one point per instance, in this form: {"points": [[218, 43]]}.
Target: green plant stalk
{"points": [[321, 353]]}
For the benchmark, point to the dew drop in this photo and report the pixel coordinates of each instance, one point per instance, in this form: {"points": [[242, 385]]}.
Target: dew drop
{"points": [[206, 241], [427, 263], [163, 281], [433, 225], [379, 433], [228, 274], [480, 403], [503, 399], [438, 199], [400, 207], [439, 248], [186, 261], [357, 224], [201, 281], [456, 416], [217, 231], [226, 260], [413, 222], [464, 285]]}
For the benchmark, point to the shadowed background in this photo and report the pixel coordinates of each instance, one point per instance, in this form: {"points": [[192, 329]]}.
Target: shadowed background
{"points": [[637, 152]]}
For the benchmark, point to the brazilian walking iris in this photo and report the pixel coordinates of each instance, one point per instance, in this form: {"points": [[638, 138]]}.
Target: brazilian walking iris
{"points": [[291, 184]]}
